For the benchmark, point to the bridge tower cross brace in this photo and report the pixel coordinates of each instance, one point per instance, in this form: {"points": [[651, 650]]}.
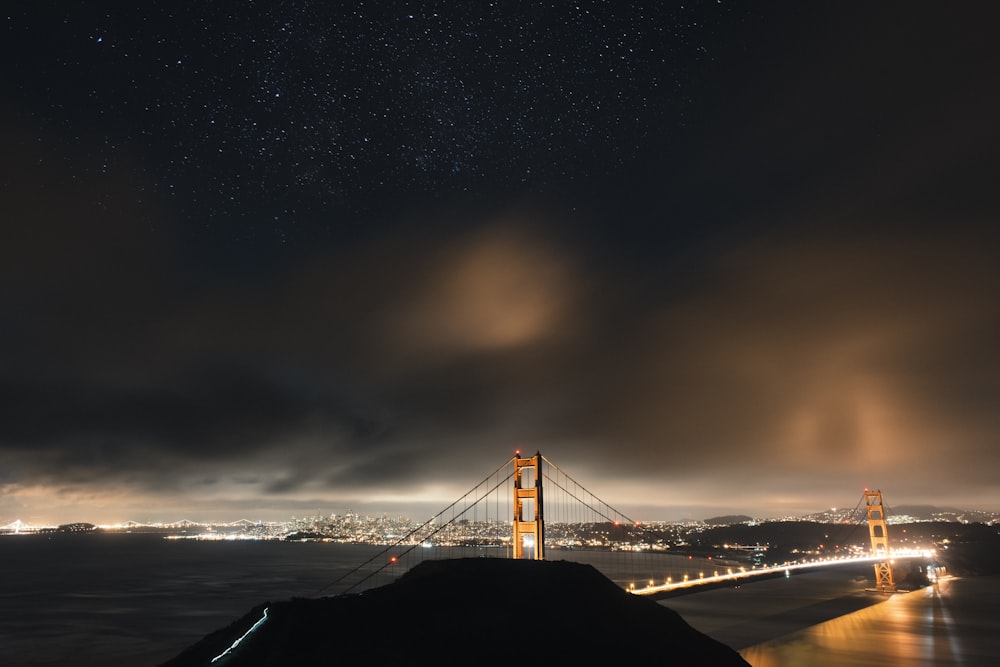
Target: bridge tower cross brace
{"points": [[535, 526], [880, 541]]}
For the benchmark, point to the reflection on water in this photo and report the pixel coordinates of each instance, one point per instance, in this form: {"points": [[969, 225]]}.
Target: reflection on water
{"points": [[762, 610], [954, 623]]}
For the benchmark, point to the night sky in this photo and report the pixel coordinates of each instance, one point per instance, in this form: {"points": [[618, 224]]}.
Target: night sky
{"points": [[266, 258]]}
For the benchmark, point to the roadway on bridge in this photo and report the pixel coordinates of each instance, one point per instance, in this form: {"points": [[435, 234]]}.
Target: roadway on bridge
{"points": [[731, 575]]}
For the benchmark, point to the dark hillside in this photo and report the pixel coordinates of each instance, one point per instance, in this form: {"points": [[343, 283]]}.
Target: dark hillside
{"points": [[469, 611]]}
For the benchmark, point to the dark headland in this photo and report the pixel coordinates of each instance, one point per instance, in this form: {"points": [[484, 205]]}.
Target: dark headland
{"points": [[468, 611]]}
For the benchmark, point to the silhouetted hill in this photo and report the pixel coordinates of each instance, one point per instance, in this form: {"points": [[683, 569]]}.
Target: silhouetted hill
{"points": [[469, 611], [785, 539], [728, 520]]}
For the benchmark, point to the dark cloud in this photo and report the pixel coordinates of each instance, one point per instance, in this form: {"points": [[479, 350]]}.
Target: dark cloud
{"points": [[783, 299], [861, 360]]}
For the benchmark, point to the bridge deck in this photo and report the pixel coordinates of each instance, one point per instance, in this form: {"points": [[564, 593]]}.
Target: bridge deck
{"points": [[732, 576]]}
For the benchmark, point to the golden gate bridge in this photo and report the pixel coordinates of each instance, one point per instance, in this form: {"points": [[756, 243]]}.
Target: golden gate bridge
{"points": [[529, 508]]}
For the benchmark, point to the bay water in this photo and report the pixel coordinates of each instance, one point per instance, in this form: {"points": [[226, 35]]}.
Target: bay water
{"points": [[116, 599]]}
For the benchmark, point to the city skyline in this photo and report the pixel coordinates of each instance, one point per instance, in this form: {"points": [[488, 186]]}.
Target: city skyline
{"points": [[290, 523], [711, 258]]}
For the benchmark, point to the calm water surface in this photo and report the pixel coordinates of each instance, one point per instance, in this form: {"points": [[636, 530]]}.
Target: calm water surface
{"points": [[955, 623], [118, 599], [134, 599], [756, 612]]}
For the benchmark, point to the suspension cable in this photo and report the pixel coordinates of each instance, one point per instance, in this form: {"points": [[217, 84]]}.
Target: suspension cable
{"points": [[419, 527], [444, 525], [848, 532], [624, 516]]}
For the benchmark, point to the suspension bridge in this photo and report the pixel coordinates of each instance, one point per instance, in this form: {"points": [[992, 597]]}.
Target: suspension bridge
{"points": [[529, 508]]}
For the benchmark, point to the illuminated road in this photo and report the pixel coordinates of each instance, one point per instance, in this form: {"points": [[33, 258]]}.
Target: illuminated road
{"points": [[244, 636], [734, 575]]}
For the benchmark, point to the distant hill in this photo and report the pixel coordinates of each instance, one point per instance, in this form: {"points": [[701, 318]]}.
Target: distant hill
{"points": [[904, 513], [468, 611], [728, 520], [922, 512], [78, 527]]}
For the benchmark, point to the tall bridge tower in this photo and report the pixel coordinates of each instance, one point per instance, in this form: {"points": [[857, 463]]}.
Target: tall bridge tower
{"points": [[880, 541], [528, 498]]}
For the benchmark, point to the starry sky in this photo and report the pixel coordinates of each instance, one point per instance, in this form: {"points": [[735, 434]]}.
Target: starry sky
{"points": [[264, 258]]}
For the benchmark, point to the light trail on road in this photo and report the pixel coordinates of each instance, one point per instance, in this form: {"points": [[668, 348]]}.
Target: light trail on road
{"points": [[787, 568]]}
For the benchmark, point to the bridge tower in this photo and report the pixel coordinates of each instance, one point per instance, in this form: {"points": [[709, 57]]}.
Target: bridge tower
{"points": [[533, 494], [880, 541]]}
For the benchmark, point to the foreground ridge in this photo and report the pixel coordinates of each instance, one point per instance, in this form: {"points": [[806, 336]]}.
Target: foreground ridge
{"points": [[462, 611]]}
